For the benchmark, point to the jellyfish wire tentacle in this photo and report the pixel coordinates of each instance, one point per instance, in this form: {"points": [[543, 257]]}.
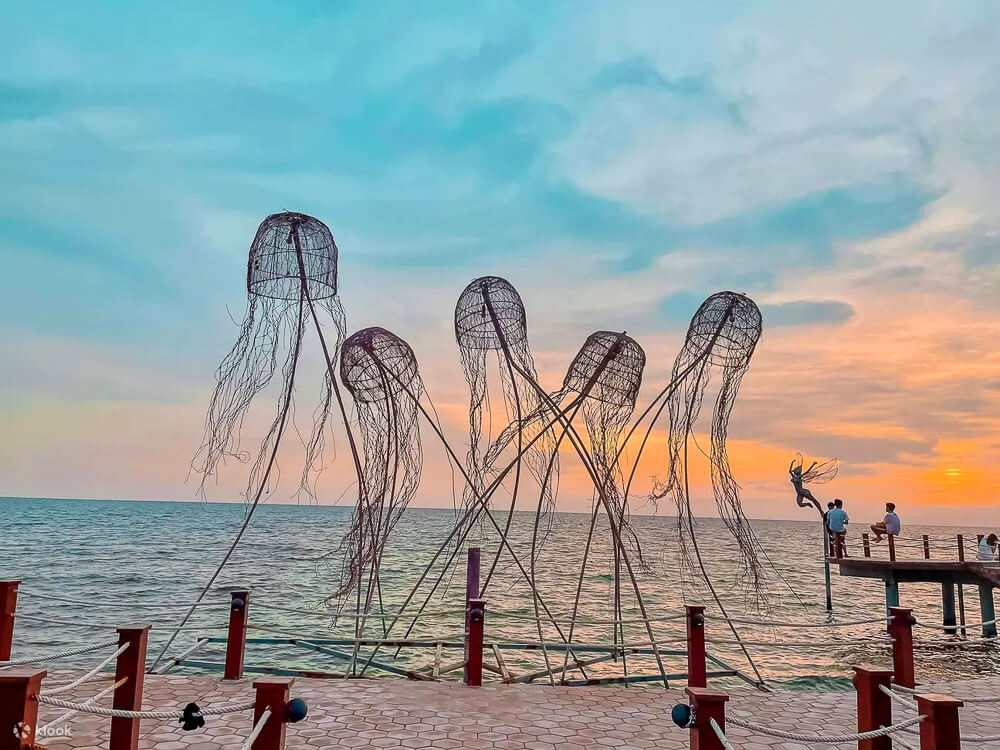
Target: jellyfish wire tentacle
{"points": [[373, 363], [292, 264], [723, 332], [600, 363], [467, 519], [490, 317]]}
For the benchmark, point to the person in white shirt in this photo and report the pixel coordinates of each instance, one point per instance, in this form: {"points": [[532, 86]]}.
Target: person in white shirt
{"points": [[987, 548]]}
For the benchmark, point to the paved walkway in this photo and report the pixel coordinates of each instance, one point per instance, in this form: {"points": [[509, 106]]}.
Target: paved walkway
{"points": [[387, 713]]}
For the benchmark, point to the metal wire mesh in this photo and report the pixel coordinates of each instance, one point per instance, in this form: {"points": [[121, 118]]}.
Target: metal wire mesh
{"points": [[291, 249]]}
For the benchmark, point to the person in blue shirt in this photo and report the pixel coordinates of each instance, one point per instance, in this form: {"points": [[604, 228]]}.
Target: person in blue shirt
{"points": [[837, 520]]}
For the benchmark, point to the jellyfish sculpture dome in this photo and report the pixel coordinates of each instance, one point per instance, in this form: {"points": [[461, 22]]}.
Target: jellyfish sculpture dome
{"points": [[289, 252], [725, 329], [379, 370]]}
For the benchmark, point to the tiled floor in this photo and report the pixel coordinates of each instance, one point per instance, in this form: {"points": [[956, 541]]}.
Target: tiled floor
{"points": [[387, 713]]}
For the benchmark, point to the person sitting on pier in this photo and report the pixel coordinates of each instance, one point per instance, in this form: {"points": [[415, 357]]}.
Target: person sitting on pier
{"points": [[888, 525], [837, 520], [987, 548]]}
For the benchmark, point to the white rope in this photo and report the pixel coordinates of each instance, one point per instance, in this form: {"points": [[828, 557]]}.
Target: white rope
{"points": [[95, 678], [83, 706], [720, 734], [123, 714], [903, 743], [905, 702], [970, 699], [125, 604], [257, 728], [825, 739], [60, 654], [70, 685], [764, 623]]}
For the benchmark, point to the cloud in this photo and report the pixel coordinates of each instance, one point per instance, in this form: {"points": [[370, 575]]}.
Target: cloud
{"points": [[804, 312]]}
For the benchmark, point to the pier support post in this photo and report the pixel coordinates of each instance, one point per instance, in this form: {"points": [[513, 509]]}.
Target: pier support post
{"points": [[988, 611], [8, 607], [892, 548], [901, 630], [874, 706], [474, 643], [19, 689], [236, 640], [697, 672], [939, 731], [891, 596], [707, 705], [866, 544], [827, 554], [271, 693], [131, 666], [948, 607], [961, 588], [927, 547]]}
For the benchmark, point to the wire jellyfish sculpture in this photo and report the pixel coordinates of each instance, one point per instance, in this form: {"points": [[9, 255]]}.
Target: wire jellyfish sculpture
{"points": [[723, 335], [603, 379], [490, 318], [379, 370], [817, 473], [291, 278]]}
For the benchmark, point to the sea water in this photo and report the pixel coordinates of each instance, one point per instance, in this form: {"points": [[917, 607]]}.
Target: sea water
{"points": [[138, 562]]}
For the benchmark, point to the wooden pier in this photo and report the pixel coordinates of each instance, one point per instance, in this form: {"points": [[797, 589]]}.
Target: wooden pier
{"points": [[952, 575]]}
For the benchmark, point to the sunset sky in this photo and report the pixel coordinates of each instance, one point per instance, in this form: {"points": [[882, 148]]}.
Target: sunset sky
{"points": [[617, 162]]}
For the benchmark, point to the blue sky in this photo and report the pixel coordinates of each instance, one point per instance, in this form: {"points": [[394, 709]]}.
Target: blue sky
{"points": [[616, 161]]}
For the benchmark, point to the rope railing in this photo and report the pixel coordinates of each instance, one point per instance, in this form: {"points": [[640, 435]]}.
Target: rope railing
{"points": [[912, 705], [92, 673], [73, 711], [829, 739], [257, 729], [116, 713], [720, 734], [60, 654], [964, 699]]}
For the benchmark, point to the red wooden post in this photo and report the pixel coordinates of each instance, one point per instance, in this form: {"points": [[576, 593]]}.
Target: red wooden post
{"points": [[697, 673], [927, 547], [471, 592], [961, 548], [132, 665], [19, 689], [867, 544], [874, 706], [472, 575], [939, 731], [8, 606], [236, 641], [707, 705], [271, 693], [901, 631], [892, 547], [474, 643]]}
